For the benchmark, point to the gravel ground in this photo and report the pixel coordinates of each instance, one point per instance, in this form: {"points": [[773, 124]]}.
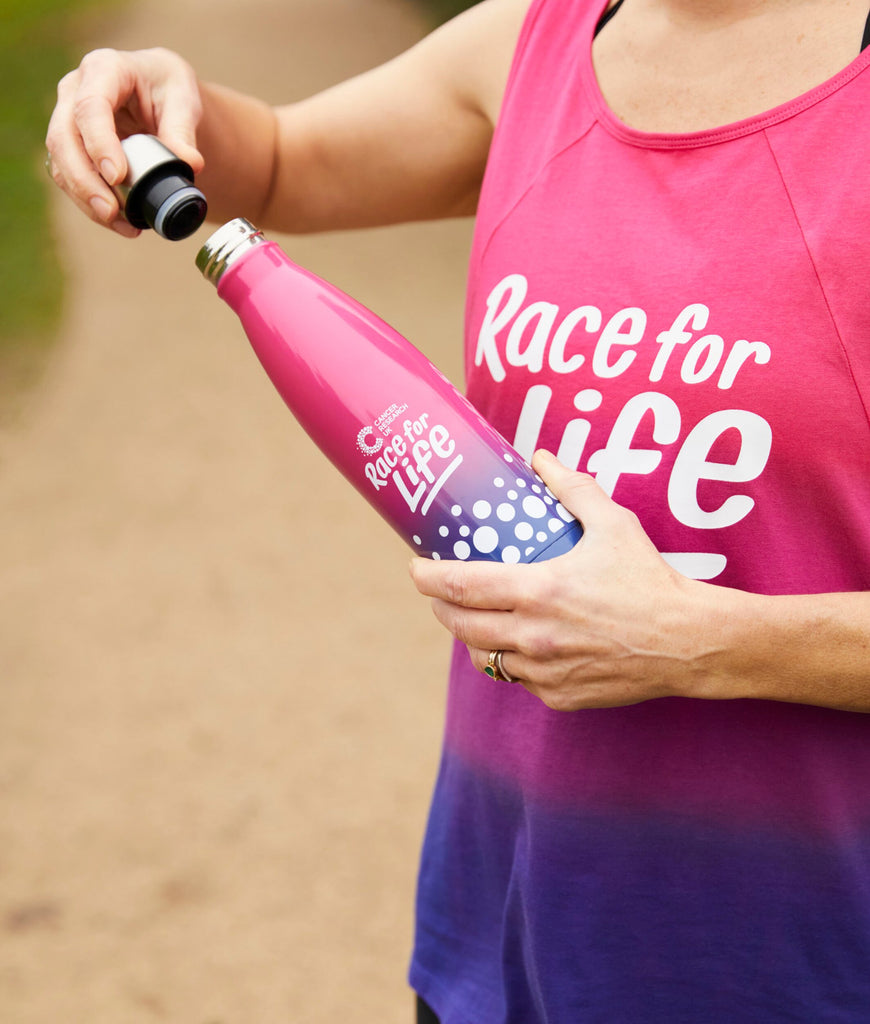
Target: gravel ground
{"points": [[221, 699]]}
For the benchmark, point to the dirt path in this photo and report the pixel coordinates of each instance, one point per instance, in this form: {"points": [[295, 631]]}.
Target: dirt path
{"points": [[221, 701]]}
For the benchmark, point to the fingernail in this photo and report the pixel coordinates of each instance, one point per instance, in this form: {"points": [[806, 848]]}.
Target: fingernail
{"points": [[101, 207], [108, 171]]}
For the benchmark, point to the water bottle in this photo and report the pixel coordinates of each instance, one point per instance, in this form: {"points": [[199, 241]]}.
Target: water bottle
{"points": [[388, 419]]}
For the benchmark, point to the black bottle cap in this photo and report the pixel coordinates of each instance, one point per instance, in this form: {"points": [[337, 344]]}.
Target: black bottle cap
{"points": [[158, 191]]}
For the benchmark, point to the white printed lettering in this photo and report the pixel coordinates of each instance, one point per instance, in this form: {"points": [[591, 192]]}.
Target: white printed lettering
{"points": [[692, 465], [412, 499], [713, 346], [577, 431], [614, 335], [677, 334], [618, 457], [512, 290], [544, 316], [741, 351], [442, 444], [532, 415], [557, 361], [373, 478]]}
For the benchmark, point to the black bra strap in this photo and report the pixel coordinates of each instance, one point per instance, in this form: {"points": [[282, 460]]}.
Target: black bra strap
{"points": [[608, 14]]}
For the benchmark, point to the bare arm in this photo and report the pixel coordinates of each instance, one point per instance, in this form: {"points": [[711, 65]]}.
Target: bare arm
{"points": [[405, 141]]}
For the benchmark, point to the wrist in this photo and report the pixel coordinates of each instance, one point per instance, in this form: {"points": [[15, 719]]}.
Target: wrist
{"points": [[733, 642], [807, 649]]}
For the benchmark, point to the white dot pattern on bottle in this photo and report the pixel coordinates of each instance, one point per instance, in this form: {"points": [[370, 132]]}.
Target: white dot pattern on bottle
{"points": [[533, 507], [485, 539], [510, 528], [524, 531]]}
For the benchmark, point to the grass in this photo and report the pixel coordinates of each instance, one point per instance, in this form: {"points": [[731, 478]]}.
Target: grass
{"points": [[442, 10], [36, 49]]}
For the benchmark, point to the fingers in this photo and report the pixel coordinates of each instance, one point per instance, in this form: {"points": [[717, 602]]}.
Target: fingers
{"points": [[487, 585], [509, 664], [576, 491], [86, 153], [178, 112], [104, 85], [475, 602], [113, 93], [580, 494], [71, 168], [474, 628]]}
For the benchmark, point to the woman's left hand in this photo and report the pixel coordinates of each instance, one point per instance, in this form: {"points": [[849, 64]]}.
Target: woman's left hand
{"points": [[608, 624]]}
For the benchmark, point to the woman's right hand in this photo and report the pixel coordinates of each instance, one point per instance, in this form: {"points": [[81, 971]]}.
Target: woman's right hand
{"points": [[113, 94]]}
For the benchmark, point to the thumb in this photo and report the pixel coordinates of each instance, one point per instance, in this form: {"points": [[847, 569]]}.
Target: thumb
{"points": [[578, 492], [180, 136]]}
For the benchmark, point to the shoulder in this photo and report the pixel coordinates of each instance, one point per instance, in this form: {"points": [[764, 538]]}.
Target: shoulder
{"points": [[472, 53]]}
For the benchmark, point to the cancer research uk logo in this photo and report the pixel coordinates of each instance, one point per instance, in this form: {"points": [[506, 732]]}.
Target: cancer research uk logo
{"points": [[381, 425], [363, 444]]}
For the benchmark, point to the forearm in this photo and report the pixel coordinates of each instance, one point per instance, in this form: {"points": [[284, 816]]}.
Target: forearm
{"points": [[237, 138], [348, 158], [807, 649], [310, 167], [407, 140]]}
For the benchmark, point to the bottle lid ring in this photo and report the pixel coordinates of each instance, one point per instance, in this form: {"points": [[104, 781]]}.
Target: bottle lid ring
{"points": [[225, 246]]}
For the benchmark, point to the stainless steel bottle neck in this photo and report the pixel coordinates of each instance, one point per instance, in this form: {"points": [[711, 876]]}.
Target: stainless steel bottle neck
{"points": [[225, 246]]}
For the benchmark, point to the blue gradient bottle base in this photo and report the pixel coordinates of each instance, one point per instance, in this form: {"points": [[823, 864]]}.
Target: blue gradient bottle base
{"points": [[500, 512], [564, 543]]}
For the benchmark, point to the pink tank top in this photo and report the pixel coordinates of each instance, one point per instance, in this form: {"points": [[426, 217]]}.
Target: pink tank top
{"points": [[686, 317]]}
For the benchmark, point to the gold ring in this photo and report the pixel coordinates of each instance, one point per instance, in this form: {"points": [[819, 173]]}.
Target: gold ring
{"points": [[495, 668]]}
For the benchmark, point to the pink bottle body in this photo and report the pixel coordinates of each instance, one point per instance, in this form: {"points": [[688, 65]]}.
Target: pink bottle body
{"points": [[389, 420]]}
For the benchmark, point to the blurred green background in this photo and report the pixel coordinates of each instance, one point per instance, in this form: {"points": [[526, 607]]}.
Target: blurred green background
{"points": [[441, 10], [38, 44], [36, 48]]}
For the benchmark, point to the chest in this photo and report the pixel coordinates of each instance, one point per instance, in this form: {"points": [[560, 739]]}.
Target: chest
{"points": [[660, 71]]}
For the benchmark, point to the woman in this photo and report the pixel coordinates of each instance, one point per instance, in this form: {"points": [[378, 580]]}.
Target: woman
{"points": [[657, 809]]}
